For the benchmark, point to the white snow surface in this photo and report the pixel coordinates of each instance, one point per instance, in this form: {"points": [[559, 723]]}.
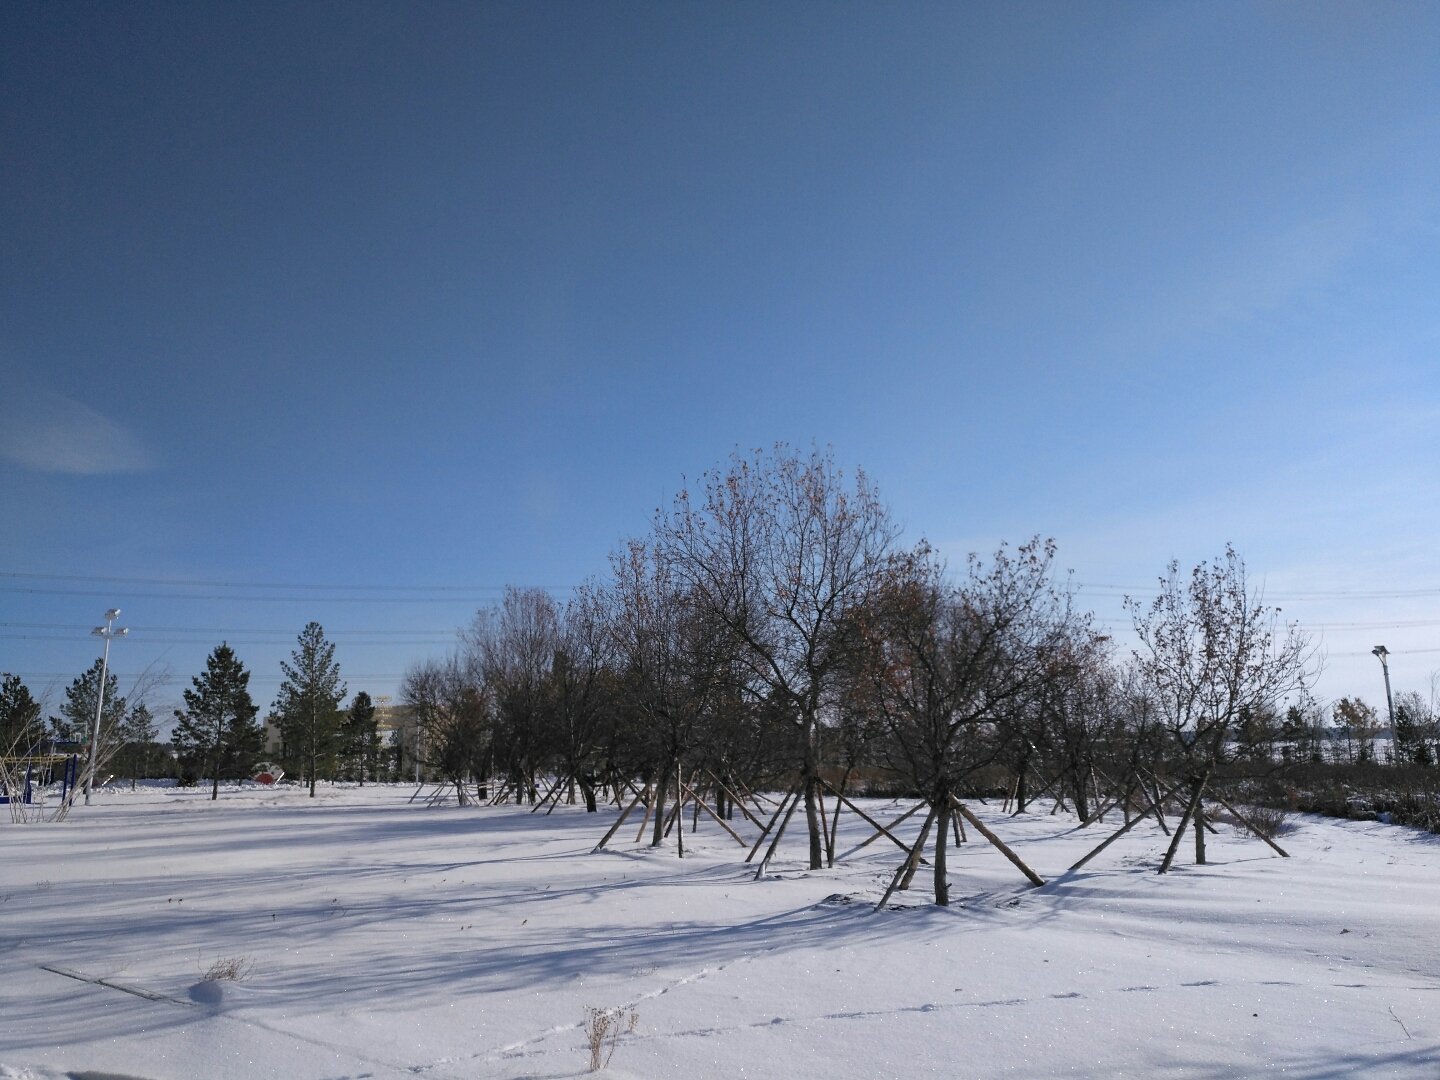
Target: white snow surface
{"points": [[393, 939]]}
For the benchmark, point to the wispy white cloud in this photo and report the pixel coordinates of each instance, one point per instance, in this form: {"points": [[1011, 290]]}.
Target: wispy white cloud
{"points": [[49, 433], [1293, 264]]}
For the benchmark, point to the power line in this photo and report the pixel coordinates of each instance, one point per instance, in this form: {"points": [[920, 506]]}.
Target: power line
{"points": [[110, 594], [214, 584], [84, 628], [1319, 594], [141, 636]]}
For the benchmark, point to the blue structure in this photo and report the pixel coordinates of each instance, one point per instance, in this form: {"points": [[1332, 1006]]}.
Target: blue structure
{"points": [[40, 770]]}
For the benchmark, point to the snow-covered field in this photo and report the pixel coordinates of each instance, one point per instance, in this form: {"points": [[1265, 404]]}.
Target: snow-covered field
{"points": [[387, 939]]}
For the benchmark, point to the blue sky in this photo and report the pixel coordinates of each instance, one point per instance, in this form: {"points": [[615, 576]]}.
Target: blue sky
{"points": [[344, 299]]}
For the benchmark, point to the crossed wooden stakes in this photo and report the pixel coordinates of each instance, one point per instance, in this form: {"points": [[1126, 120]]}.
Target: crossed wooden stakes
{"points": [[780, 819]]}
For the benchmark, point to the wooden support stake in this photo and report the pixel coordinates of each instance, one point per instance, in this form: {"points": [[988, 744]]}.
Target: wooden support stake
{"points": [[913, 865], [1251, 826], [673, 814], [679, 810], [649, 809], [1180, 829], [735, 799], [1157, 802], [825, 827], [1035, 879], [703, 805], [618, 822], [1117, 835], [912, 857], [773, 819], [779, 833], [880, 830]]}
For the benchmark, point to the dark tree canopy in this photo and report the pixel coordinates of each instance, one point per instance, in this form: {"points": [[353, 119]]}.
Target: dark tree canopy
{"points": [[76, 721], [308, 705], [216, 731], [20, 728]]}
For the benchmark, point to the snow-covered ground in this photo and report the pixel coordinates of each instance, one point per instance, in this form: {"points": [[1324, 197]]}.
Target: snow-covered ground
{"points": [[389, 939]]}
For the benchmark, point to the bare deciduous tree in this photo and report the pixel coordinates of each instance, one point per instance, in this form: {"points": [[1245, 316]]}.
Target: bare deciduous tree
{"points": [[779, 550], [945, 662], [514, 646], [450, 703], [1210, 648]]}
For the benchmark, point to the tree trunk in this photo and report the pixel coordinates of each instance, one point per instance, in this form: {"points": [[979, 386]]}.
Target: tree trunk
{"points": [[812, 816], [1199, 832], [942, 882], [662, 784]]}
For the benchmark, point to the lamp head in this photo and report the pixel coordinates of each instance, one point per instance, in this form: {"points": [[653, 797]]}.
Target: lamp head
{"points": [[113, 613], [1381, 652]]}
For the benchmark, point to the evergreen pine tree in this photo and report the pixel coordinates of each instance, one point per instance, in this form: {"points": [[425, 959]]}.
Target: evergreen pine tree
{"points": [[217, 727], [20, 729], [76, 721], [361, 737], [308, 704], [139, 733]]}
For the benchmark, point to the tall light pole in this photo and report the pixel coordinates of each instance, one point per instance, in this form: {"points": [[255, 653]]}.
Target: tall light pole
{"points": [[108, 632], [1382, 653]]}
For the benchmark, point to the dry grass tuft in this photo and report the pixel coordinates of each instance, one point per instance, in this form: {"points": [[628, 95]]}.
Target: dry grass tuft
{"points": [[229, 969], [603, 1028]]}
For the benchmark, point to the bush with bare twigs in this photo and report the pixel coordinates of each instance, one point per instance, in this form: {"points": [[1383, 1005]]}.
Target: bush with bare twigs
{"points": [[603, 1028], [229, 969]]}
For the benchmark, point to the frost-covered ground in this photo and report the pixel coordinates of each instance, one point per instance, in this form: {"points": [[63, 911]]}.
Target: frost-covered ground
{"points": [[389, 939]]}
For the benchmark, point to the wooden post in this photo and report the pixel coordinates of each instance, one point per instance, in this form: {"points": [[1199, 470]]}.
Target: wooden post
{"points": [[1035, 879], [1115, 836], [649, 808], [1180, 829], [880, 830], [774, 818], [676, 811], [680, 810], [1251, 826], [912, 856], [699, 802], [735, 800], [779, 833], [1157, 804], [834, 825], [616, 827], [914, 863], [825, 826]]}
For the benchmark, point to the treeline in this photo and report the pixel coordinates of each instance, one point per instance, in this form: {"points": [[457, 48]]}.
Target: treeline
{"points": [[217, 735], [770, 632]]}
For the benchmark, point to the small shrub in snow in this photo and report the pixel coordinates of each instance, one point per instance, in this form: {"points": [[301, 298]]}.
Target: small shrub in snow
{"points": [[1269, 821], [603, 1028], [229, 969]]}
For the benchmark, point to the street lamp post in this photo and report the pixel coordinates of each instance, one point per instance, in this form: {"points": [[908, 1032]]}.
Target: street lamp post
{"points": [[1382, 653], [108, 632]]}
